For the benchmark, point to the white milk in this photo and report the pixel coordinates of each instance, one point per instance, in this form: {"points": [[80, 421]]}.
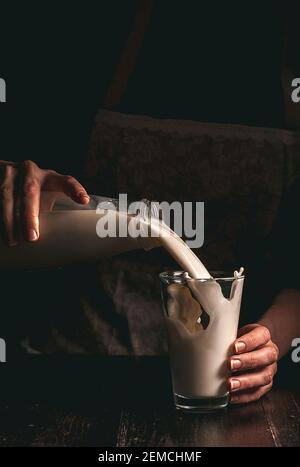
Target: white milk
{"points": [[199, 357], [66, 237]]}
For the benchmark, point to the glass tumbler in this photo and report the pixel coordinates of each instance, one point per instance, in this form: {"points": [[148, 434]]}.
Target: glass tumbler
{"points": [[201, 317]]}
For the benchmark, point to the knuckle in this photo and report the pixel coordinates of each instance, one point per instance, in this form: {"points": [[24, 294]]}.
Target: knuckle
{"points": [[246, 383], [270, 385], [51, 172], [276, 351], [31, 188], [5, 192], [252, 361], [272, 354], [267, 378], [259, 394], [28, 164], [266, 333], [262, 391]]}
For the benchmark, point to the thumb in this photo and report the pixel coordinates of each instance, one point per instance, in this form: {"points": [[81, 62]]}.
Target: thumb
{"points": [[68, 185]]}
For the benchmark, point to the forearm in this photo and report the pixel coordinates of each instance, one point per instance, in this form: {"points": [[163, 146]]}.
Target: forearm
{"points": [[283, 319]]}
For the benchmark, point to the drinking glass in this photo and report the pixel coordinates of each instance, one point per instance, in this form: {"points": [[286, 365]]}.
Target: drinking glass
{"points": [[201, 317]]}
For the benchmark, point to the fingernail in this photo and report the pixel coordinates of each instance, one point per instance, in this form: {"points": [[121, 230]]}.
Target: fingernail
{"points": [[84, 199], [235, 364], [234, 384], [32, 235], [83, 195], [239, 347]]}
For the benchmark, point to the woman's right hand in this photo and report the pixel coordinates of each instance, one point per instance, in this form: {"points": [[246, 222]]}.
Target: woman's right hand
{"points": [[20, 189]]}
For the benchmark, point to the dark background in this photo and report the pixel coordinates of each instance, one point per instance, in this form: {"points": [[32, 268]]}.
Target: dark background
{"points": [[207, 61]]}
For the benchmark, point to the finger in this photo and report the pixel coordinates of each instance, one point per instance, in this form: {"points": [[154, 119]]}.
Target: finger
{"points": [[31, 189], [245, 329], [68, 185], [7, 204], [250, 396], [13, 164], [257, 358], [17, 216], [18, 207], [252, 339], [253, 379]]}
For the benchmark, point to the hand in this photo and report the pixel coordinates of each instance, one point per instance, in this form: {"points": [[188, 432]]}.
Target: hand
{"points": [[20, 190], [253, 365]]}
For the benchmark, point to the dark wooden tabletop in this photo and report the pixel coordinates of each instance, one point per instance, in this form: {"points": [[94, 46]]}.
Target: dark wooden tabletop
{"points": [[121, 401]]}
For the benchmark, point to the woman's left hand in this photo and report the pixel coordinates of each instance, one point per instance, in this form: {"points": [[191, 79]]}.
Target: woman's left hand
{"points": [[253, 365]]}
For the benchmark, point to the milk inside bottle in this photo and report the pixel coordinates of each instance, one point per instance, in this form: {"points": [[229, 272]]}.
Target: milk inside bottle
{"points": [[68, 235], [73, 233]]}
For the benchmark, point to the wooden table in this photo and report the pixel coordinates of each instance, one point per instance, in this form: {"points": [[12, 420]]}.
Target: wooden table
{"points": [[121, 401]]}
